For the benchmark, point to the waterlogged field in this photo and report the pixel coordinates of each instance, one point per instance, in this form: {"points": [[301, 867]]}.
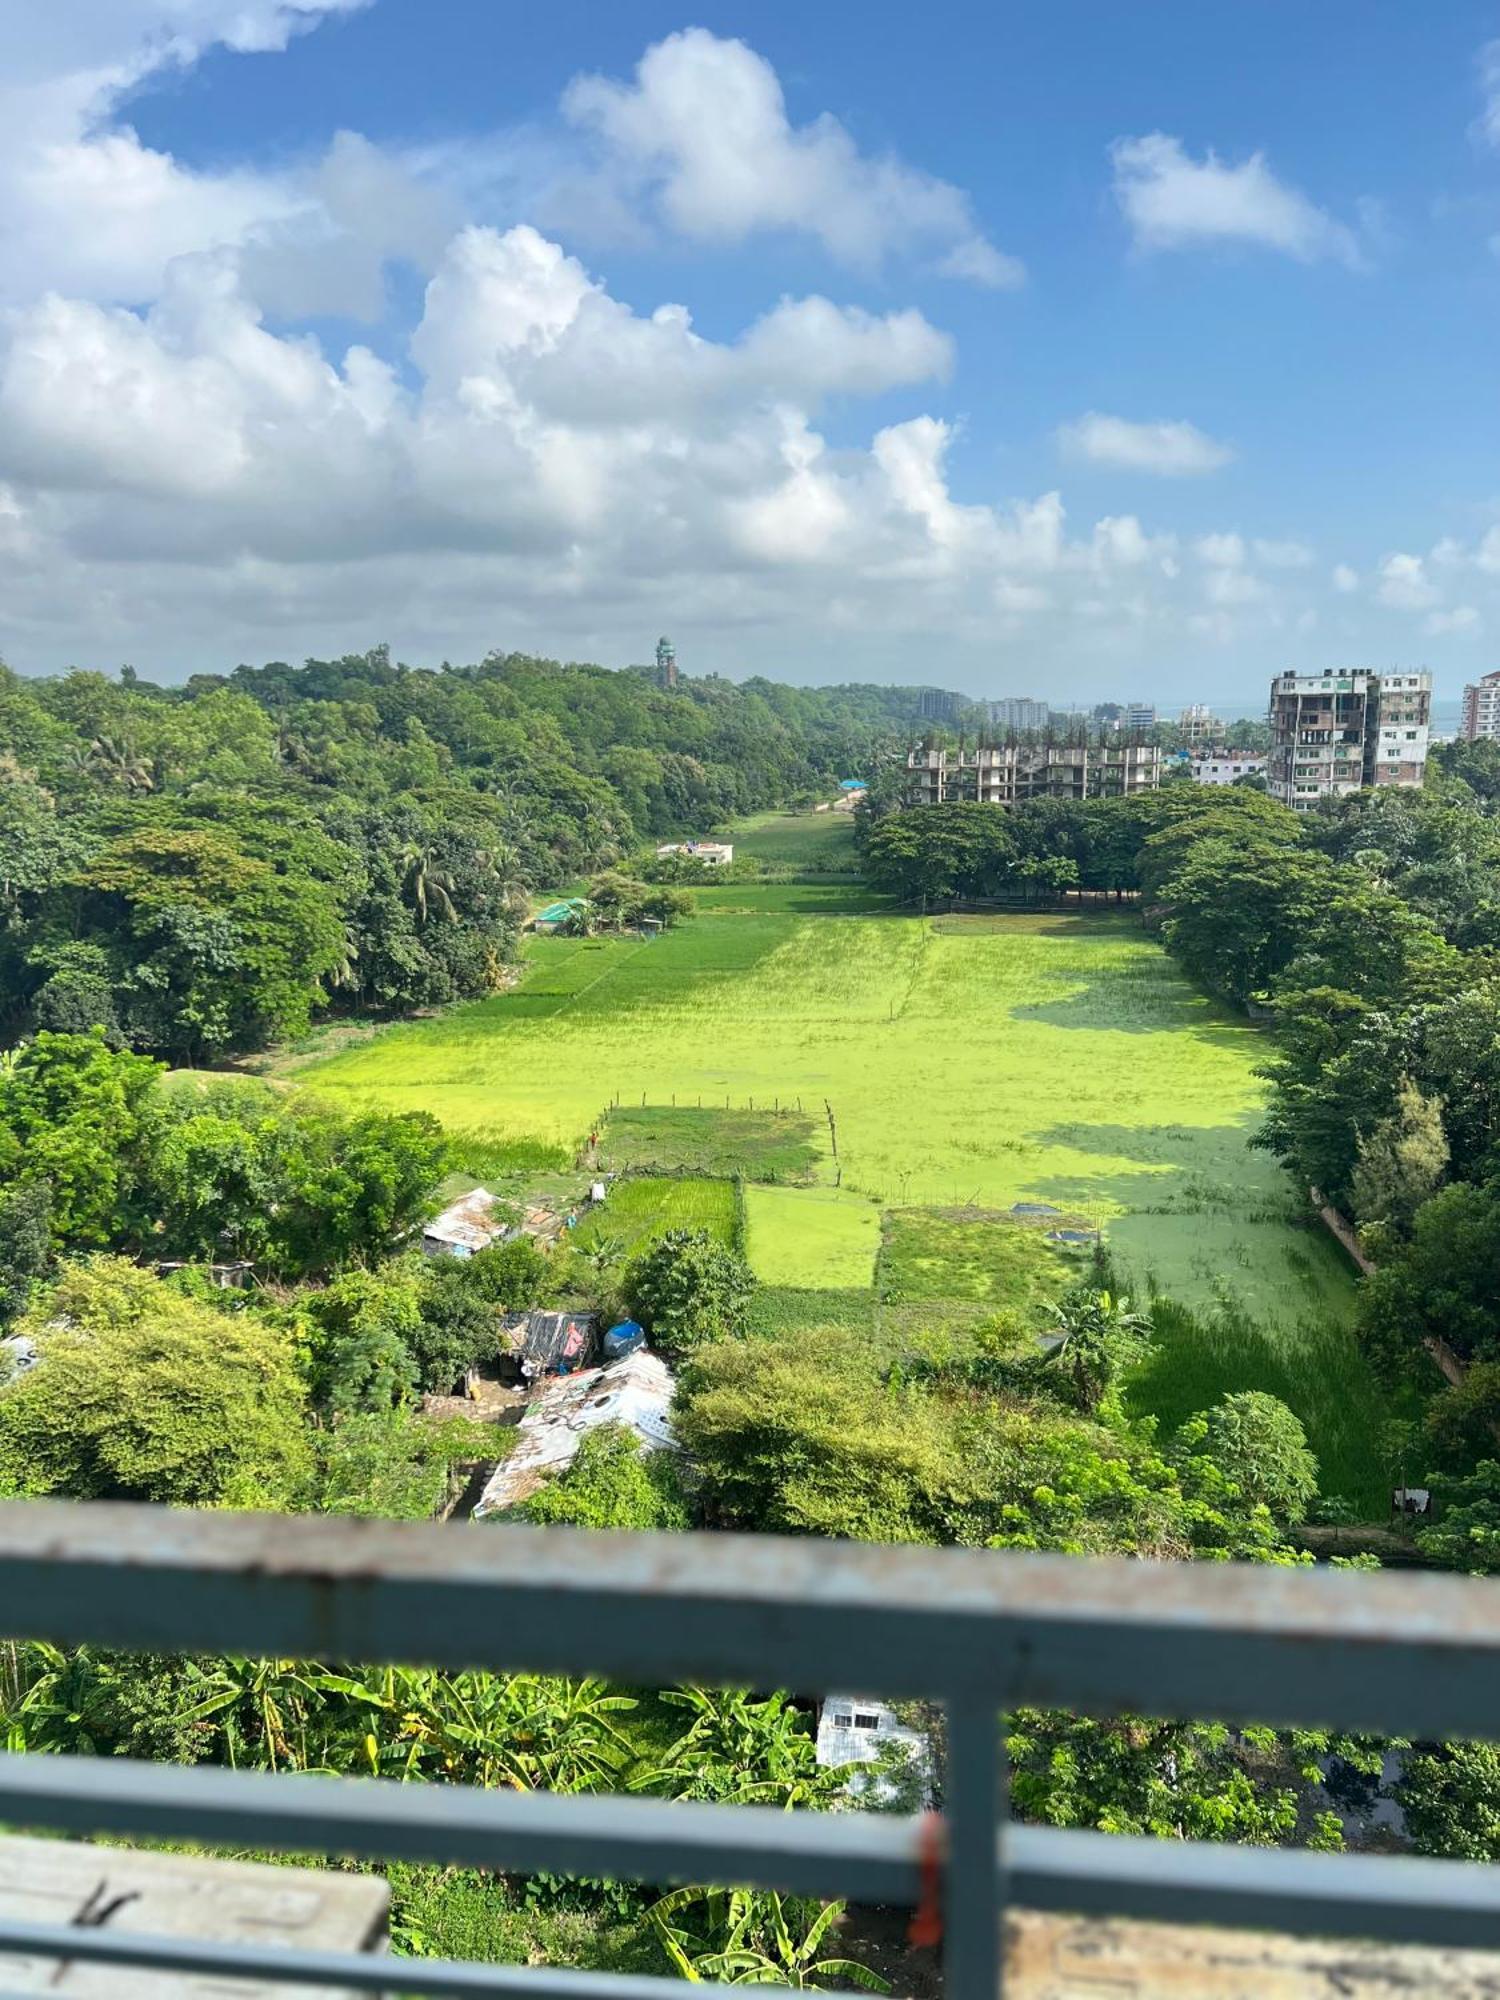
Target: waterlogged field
{"points": [[965, 1064]]}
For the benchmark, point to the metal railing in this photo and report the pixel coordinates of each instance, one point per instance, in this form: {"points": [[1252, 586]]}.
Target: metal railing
{"points": [[1406, 1654]]}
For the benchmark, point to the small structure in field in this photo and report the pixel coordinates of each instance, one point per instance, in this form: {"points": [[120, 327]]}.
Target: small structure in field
{"points": [[712, 853], [549, 1343], [852, 1729], [1411, 1500], [557, 916], [472, 1224], [636, 1392], [231, 1277]]}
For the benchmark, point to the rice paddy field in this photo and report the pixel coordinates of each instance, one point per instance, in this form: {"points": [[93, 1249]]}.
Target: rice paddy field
{"points": [[931, 1072]]}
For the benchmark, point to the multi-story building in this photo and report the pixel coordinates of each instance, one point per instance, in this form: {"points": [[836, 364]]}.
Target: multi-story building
{"points": [[1200, 727], [1338, 732], [936, 705], [1006, 775], [1138, 715], [1482, 708], [1223, 767], [1019, 712]]}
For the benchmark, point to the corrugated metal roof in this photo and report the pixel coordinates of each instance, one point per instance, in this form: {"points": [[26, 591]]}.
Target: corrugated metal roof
{"points": [[636, 1392]]}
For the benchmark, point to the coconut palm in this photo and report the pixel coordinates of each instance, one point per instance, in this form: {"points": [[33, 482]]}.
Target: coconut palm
{"points": [[427, 885], [118, 762]]}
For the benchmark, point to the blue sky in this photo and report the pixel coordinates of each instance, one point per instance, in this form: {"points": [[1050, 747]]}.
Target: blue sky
{"points": [[1081, 350]]}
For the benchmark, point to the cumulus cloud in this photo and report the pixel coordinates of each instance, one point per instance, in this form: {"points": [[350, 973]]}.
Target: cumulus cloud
{"points": [[1168, 449], [1175, 202], [1344, 579], [1462, 618], [1404, 583], [1488, 64], [84, 205], [703, 133]]}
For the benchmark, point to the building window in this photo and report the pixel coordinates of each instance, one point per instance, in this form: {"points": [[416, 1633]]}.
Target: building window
{"points": [[862, 1721]]}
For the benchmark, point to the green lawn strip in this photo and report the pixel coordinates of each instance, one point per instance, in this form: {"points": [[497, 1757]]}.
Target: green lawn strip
{"points": [[642, 1207], [816, 1237], [768, 1145]]}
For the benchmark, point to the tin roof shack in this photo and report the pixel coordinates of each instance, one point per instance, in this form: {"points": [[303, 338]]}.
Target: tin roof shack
{"points": [[549, 1343], [471, 1224], [712, 853], [855, 1730], [636, 1392]]}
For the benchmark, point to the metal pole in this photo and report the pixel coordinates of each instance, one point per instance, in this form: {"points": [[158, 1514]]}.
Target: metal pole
{"points": [[974, 1888]]}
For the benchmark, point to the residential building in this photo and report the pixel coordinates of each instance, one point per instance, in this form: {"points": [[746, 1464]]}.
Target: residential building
{"points": [[712, 853], [1138, 715], [1338, 732], [472, 1224], [936, 705], [1200, 727], [1224, 766], [636, 1392], [1019, 712], [1005, 775], [1482, 709], [855, 1730]]}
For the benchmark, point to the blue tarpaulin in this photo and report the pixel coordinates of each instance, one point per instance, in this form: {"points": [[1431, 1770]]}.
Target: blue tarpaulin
{"points": [[624, 1339]]}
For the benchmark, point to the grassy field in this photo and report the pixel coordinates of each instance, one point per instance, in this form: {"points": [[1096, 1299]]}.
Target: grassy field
{"points": [[814, 1238], [640, 1210], [967, 1063], [819, 842], [999, 1260], [767, 1145]]}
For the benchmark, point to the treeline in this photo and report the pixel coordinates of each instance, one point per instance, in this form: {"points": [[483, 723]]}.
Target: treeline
{"points": [[1366, 935], [203, 869]]}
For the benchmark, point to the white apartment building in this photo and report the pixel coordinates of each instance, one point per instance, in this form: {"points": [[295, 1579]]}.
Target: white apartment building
{"points": [[1482, 709], [1341, 731], [1225, 769], [1004, 776]]}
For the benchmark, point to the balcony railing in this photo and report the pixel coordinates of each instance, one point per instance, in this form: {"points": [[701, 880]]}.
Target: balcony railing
{"points": [[977, 1632]]}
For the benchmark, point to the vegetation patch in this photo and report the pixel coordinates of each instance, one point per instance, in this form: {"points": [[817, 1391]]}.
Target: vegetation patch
{"points": [[814, 843], [822, 1238], [644, 1207], [795, 1309], [715, 1140], [977, 1255]]}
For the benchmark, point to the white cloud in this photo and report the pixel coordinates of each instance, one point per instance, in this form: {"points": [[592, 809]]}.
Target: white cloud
{"points": [[1462, 618], [1169, 449], [1344, 579], [84, 205], [1487, 555], [1174, 202], [1404, 583], [1283, 555], [703, 132], [1222, 551]]}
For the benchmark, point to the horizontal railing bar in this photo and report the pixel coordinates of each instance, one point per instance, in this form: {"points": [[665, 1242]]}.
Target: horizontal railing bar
{"points": [[872, 1856], [432, 1979], [869, 1857], [1411, 1654], [1388, 1898]]}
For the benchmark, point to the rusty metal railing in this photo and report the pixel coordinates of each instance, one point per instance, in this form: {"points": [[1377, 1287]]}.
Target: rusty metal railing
{"points": [[975, 1631]]}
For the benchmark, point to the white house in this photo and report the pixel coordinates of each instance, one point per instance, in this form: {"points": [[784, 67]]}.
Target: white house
{"points": [[1223, 770], [853, 1729], [712, 853]]}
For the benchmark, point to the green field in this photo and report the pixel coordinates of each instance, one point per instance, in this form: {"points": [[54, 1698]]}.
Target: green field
{"points": [[819, 842], [968, 1063], [820, 1238], [638, 1211]]}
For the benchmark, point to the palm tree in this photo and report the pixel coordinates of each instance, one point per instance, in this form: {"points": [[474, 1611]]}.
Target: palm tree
{"points": [[1098, 1337], [426, 884], [119, 763]]}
